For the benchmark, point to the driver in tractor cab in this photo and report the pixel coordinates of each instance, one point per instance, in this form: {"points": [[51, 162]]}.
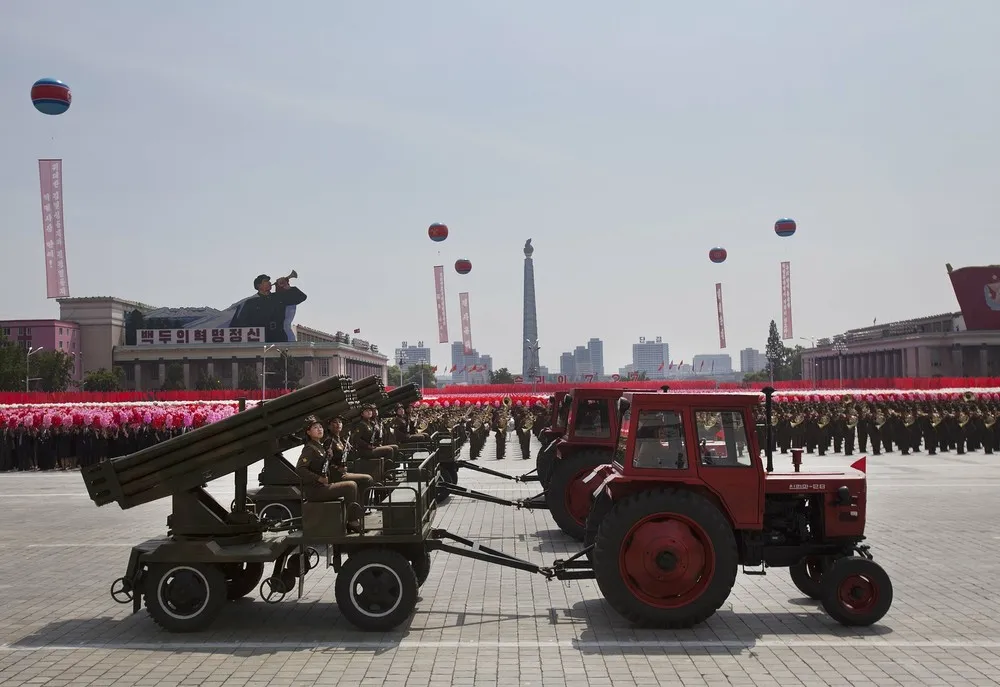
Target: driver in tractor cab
{"points": [[660, 443], [312, 469]]}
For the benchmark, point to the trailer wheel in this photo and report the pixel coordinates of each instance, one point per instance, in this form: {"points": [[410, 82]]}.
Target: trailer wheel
{"points": [[665, 558], [184, 597], [421, 567], [242, 578], [275, 511], [448, 473], [856, 592], [568, 498], [807, 576], [376, 589]]}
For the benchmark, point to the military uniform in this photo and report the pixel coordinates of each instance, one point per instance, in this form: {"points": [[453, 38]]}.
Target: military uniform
{"points": [[312, 469]]}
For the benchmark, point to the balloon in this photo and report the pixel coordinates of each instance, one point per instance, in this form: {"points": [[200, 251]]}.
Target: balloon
{"points": [[437, 231], [718, 255], [784, 227], [51, 96], [463, 266]]}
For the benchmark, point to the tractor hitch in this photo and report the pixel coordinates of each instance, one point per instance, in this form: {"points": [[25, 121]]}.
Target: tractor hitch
{"points": [[469, 465], [576, 567]]}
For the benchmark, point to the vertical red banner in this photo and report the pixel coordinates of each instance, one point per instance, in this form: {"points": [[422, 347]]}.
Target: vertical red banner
{"points": [[722, 320], [786, 300], [442, 310], [56, 273], [463, 304]]}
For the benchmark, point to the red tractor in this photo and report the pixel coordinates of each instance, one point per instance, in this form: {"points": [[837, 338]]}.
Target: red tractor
{"points": [[689, 498], [590, 433]]}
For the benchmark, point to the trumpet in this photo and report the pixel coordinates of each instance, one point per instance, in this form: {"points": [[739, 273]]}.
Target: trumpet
{"points": [[292, 275]]}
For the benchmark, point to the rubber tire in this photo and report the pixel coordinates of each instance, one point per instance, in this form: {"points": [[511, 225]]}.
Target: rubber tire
{"points": [[616, 526], [805, 583], [448, 473], [217, 596], [294, 508], [386, 558], [245, 581], [602, 506], [421, 567], [543, 464], [855, 565], [563, 471]]}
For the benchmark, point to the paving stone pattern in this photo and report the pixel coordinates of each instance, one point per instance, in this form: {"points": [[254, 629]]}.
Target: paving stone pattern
{"points": [[933, 524]]}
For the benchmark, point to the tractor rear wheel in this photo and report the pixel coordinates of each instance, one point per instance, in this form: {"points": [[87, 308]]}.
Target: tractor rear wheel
{"points": [[543, 464], [600, 509], [856, 592], [807, 575], [665, 558], [569, 499]]}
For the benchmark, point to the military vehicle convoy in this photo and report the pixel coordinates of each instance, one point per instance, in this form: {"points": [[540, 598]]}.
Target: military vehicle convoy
{"points": [[668, 529]]}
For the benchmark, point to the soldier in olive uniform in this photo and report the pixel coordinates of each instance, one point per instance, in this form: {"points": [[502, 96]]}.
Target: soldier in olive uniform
{"points": [[364, 438], [316, 486], [404, 429]]}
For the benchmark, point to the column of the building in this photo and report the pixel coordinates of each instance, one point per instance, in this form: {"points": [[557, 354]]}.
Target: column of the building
{"points": [[187, 373], [163, 371], [984, 360], [210, 368], [236, 374], [957, 363], [137, 373]]}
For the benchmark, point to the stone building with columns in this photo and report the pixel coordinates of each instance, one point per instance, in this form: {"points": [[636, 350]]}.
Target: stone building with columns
{"points": [[934, 346], [102, 324]]}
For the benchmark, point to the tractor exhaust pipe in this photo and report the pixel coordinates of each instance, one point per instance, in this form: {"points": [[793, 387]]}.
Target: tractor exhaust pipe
{"points": [[768, 437]]}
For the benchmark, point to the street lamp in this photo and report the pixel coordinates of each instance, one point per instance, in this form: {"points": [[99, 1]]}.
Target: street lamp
{"points": [[27, 366], [284, 352], [399, 363], [840, 348], [263, 373]]}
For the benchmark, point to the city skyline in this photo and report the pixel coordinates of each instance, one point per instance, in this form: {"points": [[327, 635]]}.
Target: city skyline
{"points": [[242, 157]]}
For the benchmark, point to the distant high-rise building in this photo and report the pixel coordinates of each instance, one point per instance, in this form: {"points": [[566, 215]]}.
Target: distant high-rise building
{"points": [[596, 348], [653, 358], [581, 358], [712, 363], [752, 360], [407, 356], [471, 368], [567, 365], [529, 358]]}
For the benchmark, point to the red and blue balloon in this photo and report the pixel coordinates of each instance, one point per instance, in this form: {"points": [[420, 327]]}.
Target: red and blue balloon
{"points": [[51, 96], [718, 255], [784, 227]]}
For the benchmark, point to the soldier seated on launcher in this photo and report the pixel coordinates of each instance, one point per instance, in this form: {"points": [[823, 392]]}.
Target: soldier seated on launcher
{"points": [[313, 468]]}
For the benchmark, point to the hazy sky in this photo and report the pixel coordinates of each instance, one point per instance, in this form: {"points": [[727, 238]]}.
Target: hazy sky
{"points": [[212, 141]]}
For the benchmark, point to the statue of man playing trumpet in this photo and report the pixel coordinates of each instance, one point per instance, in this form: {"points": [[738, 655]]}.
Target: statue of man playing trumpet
{"points": [[270, 310]]}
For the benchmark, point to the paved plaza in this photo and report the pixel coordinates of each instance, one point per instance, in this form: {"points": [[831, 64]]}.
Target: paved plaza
{"points": [[934, 523]]}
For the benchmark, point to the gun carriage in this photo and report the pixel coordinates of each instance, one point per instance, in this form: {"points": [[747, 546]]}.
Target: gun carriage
{"points": [[668, 529]]}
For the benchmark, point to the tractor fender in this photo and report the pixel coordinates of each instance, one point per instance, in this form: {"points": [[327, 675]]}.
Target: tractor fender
{"points": [[618, 487]]}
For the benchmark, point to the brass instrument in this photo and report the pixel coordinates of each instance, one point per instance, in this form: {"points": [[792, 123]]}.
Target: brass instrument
{"points": [[711, 420], [506, 403], [990, 419], [852, 420], [935, 419], [824, 420], [847, 398], [291, 275], [909, 419], [422, 425], [528, 422], [969, 396], [798, 420], [879, 419]]}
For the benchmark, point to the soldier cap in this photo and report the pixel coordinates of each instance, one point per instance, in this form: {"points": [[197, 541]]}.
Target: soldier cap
{"points": [[338, 418], [309, 422], [369, 406], [261, 278]]}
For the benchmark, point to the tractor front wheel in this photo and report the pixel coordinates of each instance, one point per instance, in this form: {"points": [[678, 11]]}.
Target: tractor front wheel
{"points": [[665, 558], [807, 576], [856, 592], [568, 497]]}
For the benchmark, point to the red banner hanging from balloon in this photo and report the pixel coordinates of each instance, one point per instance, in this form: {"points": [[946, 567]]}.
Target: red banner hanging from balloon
{"points": [[463, 304], [442, 310], [786, 300], [56, 274], [722, 320]]}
